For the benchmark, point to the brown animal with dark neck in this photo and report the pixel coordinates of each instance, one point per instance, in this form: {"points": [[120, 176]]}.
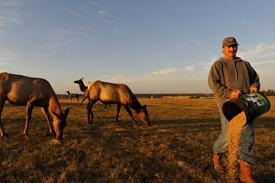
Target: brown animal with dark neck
{"points": [[23, 90], [73, 95], [82, 88], [109, 93]]}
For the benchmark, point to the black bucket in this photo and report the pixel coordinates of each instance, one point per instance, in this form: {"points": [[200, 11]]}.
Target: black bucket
{"points": [[253, 104]]}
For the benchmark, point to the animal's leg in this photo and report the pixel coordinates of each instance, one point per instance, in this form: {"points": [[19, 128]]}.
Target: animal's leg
{"points": [[130, 113], [90, 112], [28, 118], [118, 110], [47, 116], [2, 103]]}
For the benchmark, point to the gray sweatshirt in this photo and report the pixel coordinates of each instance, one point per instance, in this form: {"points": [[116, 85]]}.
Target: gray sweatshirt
{"points": [[230, 75]]}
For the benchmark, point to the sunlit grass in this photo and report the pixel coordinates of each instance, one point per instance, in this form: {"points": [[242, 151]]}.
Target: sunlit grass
{"points": [[183, 130]]}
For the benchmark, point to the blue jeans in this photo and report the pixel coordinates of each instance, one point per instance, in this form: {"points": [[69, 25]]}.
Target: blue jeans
{"points": [[247, 140]]}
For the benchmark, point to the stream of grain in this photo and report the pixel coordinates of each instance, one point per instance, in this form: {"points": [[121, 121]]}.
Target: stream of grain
{"points": [[235, 127]]}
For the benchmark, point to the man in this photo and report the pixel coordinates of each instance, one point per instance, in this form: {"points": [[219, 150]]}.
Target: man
{"points": [[229, 77]]}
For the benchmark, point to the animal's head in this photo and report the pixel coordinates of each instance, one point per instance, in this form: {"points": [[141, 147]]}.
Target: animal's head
{"points": [[80, 81], [143, 115], [59, 123]]}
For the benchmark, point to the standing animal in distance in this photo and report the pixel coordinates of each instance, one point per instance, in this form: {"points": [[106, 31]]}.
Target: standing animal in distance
{"points": [[82, 88], [110, 93], [23, 90], [73, 95]]}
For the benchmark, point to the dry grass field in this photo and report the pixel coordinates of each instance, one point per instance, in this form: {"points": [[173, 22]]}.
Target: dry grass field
{"points": [[176, 148]]}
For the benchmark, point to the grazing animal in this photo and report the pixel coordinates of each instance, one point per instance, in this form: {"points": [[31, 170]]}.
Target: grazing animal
{"points": [[109, 93], [73, 95], [23, 90]]}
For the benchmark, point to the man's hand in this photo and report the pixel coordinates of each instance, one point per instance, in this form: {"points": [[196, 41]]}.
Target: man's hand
{"points": [[253, 89], [235, 94]]}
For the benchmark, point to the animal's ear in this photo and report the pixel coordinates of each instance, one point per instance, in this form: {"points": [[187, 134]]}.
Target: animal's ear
{"points": [[82, 79], [89, 82]]}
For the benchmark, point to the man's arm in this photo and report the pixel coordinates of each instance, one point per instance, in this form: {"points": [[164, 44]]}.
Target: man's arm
{"points": [[214, 82]]}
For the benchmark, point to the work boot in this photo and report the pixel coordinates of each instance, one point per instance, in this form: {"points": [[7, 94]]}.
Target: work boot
{"points": [[217, 163], [245, 169]]}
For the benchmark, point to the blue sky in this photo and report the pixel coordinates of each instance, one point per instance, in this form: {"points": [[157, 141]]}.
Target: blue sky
{"points": [[153, 46]]}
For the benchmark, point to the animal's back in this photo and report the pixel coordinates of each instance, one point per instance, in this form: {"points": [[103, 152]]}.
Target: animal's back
{"points": [[20, 89], [110, 92]]}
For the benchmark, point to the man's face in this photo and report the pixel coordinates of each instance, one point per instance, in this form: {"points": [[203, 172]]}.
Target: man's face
{"points": [[230, 51]]}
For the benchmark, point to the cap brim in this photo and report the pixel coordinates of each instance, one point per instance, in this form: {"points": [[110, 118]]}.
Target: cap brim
{"points": [[233, 45]]}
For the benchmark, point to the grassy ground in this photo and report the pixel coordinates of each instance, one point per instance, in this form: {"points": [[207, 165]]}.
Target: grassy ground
{"points": [[176, 148]]}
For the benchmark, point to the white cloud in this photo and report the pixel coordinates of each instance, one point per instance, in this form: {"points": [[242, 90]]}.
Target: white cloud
{"points": [[167, 71], [103, 13], [262, 58], [262, 51], [157, 74], [189, 68], [105, 16], [260, 55]]}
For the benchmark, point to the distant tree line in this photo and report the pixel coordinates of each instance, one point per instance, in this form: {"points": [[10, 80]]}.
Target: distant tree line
{"points": [[160, 95], [268, 92]]}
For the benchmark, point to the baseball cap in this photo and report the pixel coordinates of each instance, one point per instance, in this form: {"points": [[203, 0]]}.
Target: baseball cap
{"points": [[229, 41]]}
